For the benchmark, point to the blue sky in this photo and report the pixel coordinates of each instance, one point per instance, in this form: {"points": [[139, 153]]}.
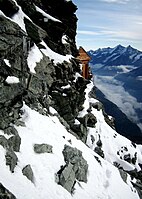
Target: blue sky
{"points": [[103, 23]]}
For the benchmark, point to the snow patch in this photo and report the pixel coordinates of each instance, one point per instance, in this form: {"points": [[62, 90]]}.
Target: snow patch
{"points": [[7, 62], [12, 80], [47, 16], [34, 57], [57, 58]]}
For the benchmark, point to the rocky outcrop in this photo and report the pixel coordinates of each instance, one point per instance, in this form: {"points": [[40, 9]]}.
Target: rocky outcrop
{"points": [[75, 169], [5, 194], [45, 87]]}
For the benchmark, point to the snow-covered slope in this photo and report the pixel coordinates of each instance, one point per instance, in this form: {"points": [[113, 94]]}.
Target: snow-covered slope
{"points": [[103, 179]]}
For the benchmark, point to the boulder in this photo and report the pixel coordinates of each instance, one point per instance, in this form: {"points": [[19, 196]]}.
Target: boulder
{"points": [[42, 148], [75, 169], [67, 177], [28, 172]]}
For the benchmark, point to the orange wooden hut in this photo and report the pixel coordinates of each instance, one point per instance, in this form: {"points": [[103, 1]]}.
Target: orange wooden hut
{"points": [[84, 58]]}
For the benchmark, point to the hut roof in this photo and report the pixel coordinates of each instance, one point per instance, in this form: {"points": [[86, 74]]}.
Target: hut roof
{"points": [[83, 56]]}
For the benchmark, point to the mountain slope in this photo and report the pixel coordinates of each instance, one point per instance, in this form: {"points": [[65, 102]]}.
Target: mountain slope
{"points": [[102, 176], [56, 141], [118, 73]]}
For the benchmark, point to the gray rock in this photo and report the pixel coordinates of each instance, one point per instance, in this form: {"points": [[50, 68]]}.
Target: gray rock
{"points": [[35, 32], [11, 130], [9, 36], [5, 193], [14, 143], [67, 178], [123, 175], [99, 151], [42, 148], [28, 172], [75, 169], [138, 186], [11, 159], [3, 141], [97, 105]]}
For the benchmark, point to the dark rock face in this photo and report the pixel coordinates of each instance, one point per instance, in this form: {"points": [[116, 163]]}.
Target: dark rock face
{"points": [[61, 10], [75, 169], [8, 7], [11, 36], [5, 194], [44, 88]]}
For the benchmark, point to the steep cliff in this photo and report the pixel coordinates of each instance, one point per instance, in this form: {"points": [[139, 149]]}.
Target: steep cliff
{"points": [[52, 130]]}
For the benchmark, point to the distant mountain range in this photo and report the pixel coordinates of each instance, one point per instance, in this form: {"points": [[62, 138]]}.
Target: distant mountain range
{"points": [[119, 70], [116, 56]]}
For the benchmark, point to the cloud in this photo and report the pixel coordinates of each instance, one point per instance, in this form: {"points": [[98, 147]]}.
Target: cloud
{"points": [[116, 1], [87, 32], [114, 91]]}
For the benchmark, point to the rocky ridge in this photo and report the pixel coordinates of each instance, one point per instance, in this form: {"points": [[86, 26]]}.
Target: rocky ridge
{"points": [[38, 69]]}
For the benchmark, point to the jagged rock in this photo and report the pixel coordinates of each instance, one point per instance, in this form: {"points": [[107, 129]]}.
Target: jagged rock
{"points": [[35, 32], [3, 141], [28, 172], [98, 160], [54, 29], [134, 159], [81, 131], [76, 168], [109, 121], [8, 7], [97, 105], [138, 186], [42, 148], [99, 143], [99, 151], [92, 139], [5, 193], [67, 177], [10, 34], [74, 156], [89, 120], [14, 143], [63, 106], [123, 175], [127, 158], [11, 159], [10, 130]]}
